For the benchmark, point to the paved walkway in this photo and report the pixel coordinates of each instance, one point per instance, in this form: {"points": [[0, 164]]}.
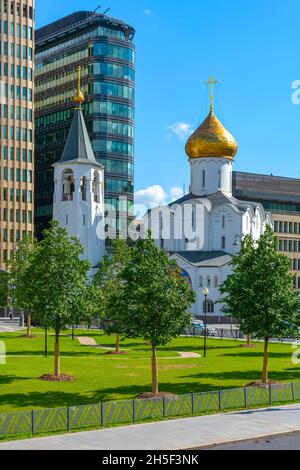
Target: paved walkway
{"points": [[86, 341], [177, 434], [9, 327]]}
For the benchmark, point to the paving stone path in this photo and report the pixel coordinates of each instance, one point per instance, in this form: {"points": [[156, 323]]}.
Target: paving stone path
{"points": [[86, 341]]}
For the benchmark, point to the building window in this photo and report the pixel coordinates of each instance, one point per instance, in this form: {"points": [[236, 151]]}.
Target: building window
{"points": [[200, 281], [223, 243], [216, 281], [203, 179], [83, 219], [210, 306], [67, 219]]}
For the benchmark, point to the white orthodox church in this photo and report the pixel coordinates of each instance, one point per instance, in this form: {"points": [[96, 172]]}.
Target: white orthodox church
{"points": [[203, 229], [78, 202]]}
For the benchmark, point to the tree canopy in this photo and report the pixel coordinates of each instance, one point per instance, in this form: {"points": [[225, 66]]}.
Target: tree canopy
{"points": [[109, 280], [156, 300], [260, 291]]}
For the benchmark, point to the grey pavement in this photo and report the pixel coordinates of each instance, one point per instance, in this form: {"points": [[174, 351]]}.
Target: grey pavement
{"points": [[9, 326], [188, 433], [286, 442]]}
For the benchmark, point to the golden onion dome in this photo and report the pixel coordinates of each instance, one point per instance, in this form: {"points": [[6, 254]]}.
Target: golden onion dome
{"points": [[211, 139]]}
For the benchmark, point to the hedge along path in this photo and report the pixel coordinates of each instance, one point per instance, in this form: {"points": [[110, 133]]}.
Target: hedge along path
{"points": [[86, 341]]}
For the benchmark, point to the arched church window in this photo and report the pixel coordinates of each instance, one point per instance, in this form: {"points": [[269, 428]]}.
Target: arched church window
{"points": [[83, 188], [67, 219], [216, 281], [223, 221], [68, 185], [223, 243], [219, 179], [203, 179], [208, 282], [200, 281], [96, 187]]}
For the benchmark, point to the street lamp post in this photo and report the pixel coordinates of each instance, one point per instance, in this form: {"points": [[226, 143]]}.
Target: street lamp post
{"points": [[205, 293]]}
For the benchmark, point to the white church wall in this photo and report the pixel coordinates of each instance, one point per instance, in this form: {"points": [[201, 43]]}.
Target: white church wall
{"points": [[226, 223], [209, 175]]}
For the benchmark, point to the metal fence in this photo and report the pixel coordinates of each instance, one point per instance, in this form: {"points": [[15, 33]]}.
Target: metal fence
{"points": [[133, 411]]}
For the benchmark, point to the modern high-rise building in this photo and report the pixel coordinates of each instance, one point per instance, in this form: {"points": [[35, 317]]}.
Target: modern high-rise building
{"points": [[281, 197], [104, 49], [17, 124]]}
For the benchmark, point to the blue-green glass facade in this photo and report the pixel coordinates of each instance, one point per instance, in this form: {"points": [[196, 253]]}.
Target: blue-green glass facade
{"points": [[104, 48]]}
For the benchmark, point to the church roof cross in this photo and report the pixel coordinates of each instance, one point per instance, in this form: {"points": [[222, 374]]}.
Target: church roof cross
{"points": [[211, 84]]}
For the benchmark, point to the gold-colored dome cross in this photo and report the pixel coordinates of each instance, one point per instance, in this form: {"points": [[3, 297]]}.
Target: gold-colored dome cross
{"points": [[211, 83], [79, 98]]}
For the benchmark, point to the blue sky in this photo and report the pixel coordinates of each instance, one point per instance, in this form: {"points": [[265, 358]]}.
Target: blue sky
{"points": [[252, 47]]}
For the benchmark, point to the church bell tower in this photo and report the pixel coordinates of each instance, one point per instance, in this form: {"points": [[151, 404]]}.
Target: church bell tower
{"points": [[78, 202]]}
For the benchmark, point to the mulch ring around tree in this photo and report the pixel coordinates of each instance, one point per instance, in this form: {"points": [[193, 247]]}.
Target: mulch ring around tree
{"points": [[57, 378], [259, 383], [147, 395]]}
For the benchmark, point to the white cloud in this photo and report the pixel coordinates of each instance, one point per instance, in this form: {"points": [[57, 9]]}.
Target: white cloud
{"points": [[181, 129], [176, 193], [151, 196], [147, 12], [154, 196]]}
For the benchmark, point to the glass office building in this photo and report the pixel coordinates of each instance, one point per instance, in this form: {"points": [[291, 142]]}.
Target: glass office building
{"points": [[104, 48], [16, 124]]}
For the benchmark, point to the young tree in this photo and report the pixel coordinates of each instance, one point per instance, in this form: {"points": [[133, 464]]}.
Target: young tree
{"points": [[60, 279], [259, 292], [110, 281], [155, 299], [3, 288], [21, 287]]}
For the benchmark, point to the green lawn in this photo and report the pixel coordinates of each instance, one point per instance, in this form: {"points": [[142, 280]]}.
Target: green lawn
{"points": [[100, 376]]}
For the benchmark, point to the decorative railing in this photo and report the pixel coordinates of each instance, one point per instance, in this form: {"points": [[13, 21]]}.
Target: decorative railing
{"points": [[105, 414]]}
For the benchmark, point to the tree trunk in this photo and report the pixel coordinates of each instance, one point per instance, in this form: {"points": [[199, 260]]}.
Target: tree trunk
{"points": [[46, 342], [29, 324], [154, 371], [117, 344], [249, 339], [73, 332], [56, 355], [265, 376]]}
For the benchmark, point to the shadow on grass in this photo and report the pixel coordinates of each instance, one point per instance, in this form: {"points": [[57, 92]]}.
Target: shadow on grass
{"points": [[248, 375], [8, 379], [55, 399], [41, 355], [254, 353]]}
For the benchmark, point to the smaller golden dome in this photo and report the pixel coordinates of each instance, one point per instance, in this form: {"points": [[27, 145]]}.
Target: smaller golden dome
{"points": [[211, 139]]}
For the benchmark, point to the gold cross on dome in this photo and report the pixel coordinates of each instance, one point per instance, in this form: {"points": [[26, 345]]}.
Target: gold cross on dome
{"points": [[211, 84]]}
